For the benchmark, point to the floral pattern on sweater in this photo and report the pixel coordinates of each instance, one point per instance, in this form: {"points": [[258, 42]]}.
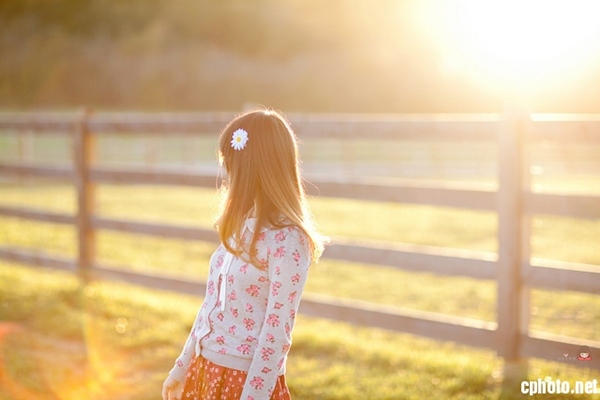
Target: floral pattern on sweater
{"points": [[249, 326]]}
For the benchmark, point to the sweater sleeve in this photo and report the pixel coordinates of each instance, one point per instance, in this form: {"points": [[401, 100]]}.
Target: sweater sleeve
{"points": [[183, 361], [289, 262]]}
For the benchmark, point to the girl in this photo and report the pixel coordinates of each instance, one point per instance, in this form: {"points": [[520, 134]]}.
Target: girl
{"points": [[238, 345]]}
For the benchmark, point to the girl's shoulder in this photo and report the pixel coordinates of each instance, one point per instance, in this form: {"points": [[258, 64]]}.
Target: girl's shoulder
{"points": [[281, 233], [287, 234]]}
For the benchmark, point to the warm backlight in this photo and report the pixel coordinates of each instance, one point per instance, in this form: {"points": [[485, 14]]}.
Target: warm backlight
{"points": [[519, 43]]}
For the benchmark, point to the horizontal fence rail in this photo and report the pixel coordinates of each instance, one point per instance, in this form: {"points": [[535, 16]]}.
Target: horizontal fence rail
{"points": [[561, 127], [510, 336], [457, 195]]}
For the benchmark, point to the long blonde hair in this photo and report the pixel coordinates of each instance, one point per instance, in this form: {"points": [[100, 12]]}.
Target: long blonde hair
{"points": [[265, 174]]}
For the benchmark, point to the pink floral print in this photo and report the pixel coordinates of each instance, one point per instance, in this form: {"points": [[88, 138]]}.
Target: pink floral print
{"points": [[280, 252], [292, 296], [273, 320], [253, 290], [267, 353], [257, 382], [219, 262], [232, 296], [249, 322], [276, 286], [244, 349], [295, 279], [264, 264], [280, 237], [261, 303]]}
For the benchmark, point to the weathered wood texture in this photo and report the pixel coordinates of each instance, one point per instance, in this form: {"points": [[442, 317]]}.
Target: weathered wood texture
{"points": [[562, 127], [145, 123], [171, 231], [84, 150], [438, 326], [38, 259], [62, 173], [443, 261], [153, 177], [511, 267], [511, 254], [163, 282], [564, 205], [561, 275], [477, 197], [38, 122], [36, 215], [455, 127]]}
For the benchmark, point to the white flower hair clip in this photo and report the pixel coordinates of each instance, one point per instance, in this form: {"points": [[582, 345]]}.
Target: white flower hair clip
{"points": [[239, 139]]}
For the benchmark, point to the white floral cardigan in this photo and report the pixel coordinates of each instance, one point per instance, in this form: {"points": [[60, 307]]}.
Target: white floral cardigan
{"points": [[248, 314]]}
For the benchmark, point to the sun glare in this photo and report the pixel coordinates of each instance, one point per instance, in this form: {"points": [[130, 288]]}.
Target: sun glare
{"points": [[513, 43]]}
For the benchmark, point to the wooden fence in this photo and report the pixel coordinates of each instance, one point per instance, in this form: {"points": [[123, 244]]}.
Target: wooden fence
{"points": [[512, 267]]}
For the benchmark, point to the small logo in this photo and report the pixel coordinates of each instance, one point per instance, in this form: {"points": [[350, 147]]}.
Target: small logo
{"points": [[584, 354]]}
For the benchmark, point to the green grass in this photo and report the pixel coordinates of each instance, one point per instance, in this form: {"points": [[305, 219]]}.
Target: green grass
{"points": [[553, 237], [331, 360], [103, 340]]}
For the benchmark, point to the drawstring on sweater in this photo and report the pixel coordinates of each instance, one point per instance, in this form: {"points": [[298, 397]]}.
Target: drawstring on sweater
{"points": [[227, 261], [249, 224], [224, 271]]}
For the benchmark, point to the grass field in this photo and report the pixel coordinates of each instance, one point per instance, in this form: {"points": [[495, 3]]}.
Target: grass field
{"points": [[132, 334], [103, 340]]}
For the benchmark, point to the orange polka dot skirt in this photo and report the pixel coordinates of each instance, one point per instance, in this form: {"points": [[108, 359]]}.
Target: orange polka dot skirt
{"points": [[207, 381]]}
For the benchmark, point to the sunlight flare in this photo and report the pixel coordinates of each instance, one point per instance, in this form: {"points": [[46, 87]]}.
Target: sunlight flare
{"points": [[515, 44]]}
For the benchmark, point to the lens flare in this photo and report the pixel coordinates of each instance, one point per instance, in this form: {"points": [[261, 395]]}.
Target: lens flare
{"points": [[513, 44]]}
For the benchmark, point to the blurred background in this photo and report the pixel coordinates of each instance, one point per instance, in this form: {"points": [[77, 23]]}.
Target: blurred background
{"points": [[339, 62], [385, 56]]}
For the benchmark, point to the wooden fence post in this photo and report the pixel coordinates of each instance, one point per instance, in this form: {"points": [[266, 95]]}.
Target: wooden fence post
{"points": [[84, 152], [513, 244]]}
